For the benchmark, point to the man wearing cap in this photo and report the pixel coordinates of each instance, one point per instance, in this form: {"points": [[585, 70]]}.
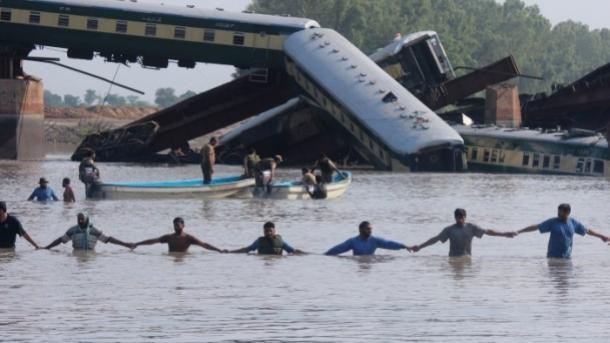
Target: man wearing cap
{"points": [[208, 160], [269, 244], [265, 170], [84, 236], [43, 192], [562, 229], [327, 168], [365, 243], [10, 228], [179, 241], [460, 235]]}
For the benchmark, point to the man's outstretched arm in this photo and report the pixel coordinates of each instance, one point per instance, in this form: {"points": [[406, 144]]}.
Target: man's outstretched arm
{"points": [[594, 233], [149, 242], [391, 245], [427, 243], [204, 245], [500, 234], [247, 249], [340, 249], [531, 228], [55, 243], [29, 239], [121, 243]]}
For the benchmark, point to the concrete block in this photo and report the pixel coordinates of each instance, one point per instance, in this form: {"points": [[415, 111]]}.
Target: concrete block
{"points": [[502, 105]]}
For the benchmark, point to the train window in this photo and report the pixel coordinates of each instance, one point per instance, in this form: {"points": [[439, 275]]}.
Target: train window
{"points": [[238, 38], [473, 154], [536, 161], [486, 155], [598, 167], [35, 17], [494, 156], [546, 161], [526, 160], [150, 30], [92, 24], [588, 166], [556, 162], [209, 35], [121, 26], [579, 165], [180, 32], [5, 14], [63, 20], [501, 157]]}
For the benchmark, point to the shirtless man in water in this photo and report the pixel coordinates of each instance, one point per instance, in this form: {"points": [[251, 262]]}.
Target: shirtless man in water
{"points": [[179, 241]]}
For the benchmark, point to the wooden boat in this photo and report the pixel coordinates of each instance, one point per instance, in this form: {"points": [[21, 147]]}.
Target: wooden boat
{"points": [[179, 189], [295, 190]]}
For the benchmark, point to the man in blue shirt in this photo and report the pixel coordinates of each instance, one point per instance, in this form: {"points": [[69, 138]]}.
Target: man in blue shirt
{"points": [[365, 244], [44, 192], [562, 229], [269, 244]]}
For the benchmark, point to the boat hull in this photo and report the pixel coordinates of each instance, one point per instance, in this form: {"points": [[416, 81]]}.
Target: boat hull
{"points": [[295, 191], [185, 189]]}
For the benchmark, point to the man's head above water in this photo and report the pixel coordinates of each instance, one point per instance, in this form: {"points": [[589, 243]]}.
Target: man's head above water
{"points": [[178, 225], [460, 216], [563, 211], [366, 229], [269, 230]]}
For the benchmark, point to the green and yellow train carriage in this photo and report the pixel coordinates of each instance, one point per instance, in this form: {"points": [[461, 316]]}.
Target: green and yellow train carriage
{"points": [[128, 31]]}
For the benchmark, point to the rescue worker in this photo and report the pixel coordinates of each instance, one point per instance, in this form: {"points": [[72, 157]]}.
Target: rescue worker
{"points": [[365, 243], [250, 162], [269, 244], [265, 171], [179, 241], [84, 236], [208, 160], [89, 174], [327, 167], [43, 192], [68, 192], [10, 228]]}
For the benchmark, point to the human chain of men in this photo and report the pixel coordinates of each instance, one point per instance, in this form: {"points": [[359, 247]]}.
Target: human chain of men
{"points": [[84, 236]]}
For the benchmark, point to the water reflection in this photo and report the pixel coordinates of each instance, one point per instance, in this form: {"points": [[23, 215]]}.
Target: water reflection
{"points": [[561, 274], [460, 267]]}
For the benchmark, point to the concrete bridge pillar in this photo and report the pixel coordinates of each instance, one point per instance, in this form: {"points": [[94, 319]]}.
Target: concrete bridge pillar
{"points": [[21, 118], [502, 106]]}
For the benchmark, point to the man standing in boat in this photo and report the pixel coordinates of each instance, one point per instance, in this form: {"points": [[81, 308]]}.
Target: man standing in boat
{"points": [[327, 167], [84, 236], [208, 160], [365, 243], [250, 162], [269, 244], [265, 171], [179, 241], [562, 229], [460, 236]]}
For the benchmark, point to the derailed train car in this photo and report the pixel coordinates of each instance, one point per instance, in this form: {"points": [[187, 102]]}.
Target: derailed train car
{"points": [[390, 126]]}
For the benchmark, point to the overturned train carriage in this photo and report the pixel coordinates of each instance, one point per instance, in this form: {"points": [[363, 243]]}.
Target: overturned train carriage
{"points": [[386, 123]]}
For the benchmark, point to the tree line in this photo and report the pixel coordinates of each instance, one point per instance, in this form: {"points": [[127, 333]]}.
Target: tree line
{"points": [[164, 97], [473, 32]]}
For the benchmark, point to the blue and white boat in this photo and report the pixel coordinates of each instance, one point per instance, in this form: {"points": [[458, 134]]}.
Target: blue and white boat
{"points": [[296, 190], [180, 189]]}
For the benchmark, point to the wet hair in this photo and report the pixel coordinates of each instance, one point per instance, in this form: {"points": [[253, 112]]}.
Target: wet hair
{"points": [[269, 225], [65, 181], [178, 220], [564, 208], [305, 170], [364, 225], [213, 140], [3, 206], [459, 212]]}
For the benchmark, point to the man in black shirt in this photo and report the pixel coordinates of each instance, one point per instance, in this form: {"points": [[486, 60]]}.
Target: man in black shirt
{"points": [[10, 227]]}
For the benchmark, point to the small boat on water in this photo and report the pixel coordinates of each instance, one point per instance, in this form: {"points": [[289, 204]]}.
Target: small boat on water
{"points": [[179, 189], [295, 190]]}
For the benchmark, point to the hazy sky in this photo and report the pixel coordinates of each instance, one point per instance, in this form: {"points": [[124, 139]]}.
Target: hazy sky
{"points": [[206, 76]]}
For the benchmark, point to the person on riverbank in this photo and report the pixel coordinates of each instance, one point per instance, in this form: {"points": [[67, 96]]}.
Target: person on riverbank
{"points": [[562, 229], [265, 171], [68, 192], [179, 241], [43, 192], [327, 168], [208, 160], [365, 243], [89, 174], [460, 236], [84, 236], [269, 244], [250, 162], [10, 228]]}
